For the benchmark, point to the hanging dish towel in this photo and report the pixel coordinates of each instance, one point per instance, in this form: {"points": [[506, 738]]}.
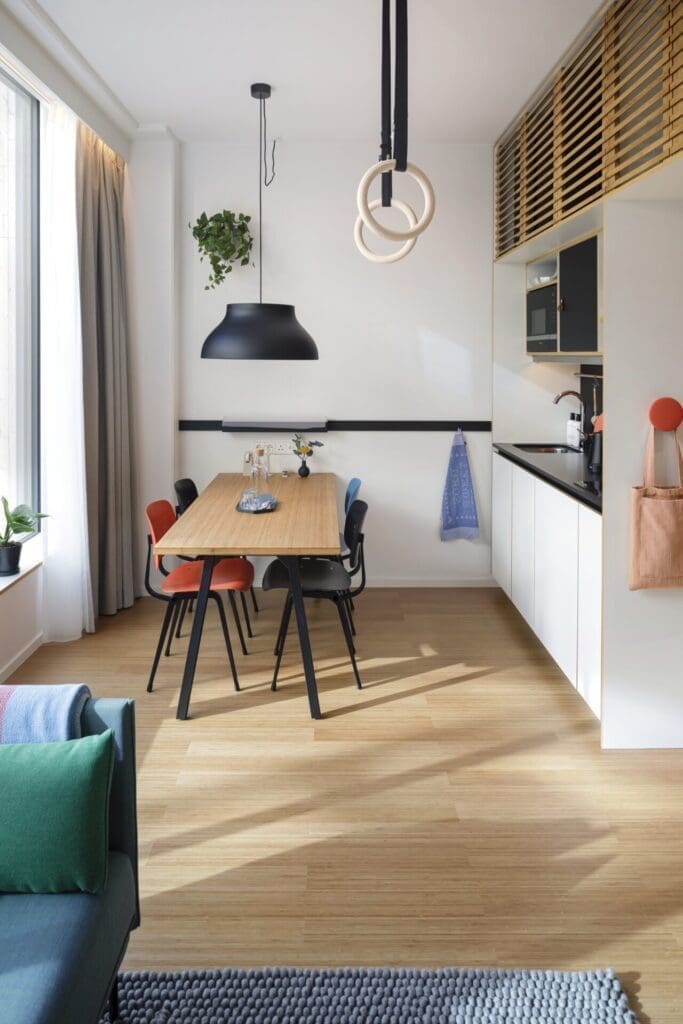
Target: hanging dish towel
{"points": [[459, 517]]}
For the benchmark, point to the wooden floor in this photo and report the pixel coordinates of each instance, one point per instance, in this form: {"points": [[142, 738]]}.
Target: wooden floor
{"points": [[458, 810]]}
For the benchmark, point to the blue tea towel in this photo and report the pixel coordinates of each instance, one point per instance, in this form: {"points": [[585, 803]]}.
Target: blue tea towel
{"points": [[459, 517], [41, 714]]}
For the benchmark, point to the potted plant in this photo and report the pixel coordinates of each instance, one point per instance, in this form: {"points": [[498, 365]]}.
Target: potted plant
{"points": [[18, 521], [304, 449], [224, 239]]}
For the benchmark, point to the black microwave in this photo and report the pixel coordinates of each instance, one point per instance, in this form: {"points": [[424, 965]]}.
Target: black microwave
{"points": [[541, 319]]}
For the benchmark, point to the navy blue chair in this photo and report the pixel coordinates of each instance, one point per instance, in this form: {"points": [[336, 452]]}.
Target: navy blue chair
{"points": [[351, 493]]}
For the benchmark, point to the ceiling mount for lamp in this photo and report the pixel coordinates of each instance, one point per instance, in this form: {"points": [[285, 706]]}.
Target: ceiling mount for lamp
{"points": [[260, 330]]}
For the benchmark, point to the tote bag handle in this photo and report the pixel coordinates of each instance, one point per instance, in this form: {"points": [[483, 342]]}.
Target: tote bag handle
{"points": [[649, 467]]}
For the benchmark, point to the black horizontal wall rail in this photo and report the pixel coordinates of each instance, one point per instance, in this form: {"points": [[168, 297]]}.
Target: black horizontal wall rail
{"points": [[469, 426]]}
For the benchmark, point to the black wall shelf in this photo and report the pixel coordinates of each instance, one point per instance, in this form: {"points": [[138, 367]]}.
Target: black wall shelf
{"points": [[469, 426]]}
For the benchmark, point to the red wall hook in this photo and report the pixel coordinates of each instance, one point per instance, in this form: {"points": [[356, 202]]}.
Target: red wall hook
{"points": [[666, 414]]}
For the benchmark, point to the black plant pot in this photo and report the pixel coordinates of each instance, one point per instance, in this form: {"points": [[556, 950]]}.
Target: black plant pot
{"points": [[303, 469], [9, 558]]}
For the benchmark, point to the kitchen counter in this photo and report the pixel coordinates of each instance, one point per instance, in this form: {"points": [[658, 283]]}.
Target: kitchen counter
{"points": [[563, 470]]}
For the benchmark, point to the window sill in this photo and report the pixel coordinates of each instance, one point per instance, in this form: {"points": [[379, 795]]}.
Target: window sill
{"points": [[31, 559]]}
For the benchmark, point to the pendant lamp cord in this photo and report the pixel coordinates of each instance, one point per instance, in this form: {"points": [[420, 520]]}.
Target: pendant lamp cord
{"points": [[263, 179]]}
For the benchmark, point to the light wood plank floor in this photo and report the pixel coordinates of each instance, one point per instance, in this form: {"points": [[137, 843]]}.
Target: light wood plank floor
{"points": [[457, 811]]}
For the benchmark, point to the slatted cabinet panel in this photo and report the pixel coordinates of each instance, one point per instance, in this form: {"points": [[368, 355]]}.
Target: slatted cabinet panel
{"points": [[611, 111]]}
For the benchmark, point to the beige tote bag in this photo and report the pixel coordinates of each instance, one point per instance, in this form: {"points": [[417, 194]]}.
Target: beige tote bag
{"points": [[657, 526]]}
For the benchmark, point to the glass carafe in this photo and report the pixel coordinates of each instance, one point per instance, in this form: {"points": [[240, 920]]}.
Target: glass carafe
{"points": [[260, 471]]}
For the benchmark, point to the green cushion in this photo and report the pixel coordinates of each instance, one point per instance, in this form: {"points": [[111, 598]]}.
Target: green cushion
{"points": [[54, 815]]}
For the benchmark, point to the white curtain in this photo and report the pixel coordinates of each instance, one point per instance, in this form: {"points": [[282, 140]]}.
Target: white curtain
{"points": [[67, 592]]}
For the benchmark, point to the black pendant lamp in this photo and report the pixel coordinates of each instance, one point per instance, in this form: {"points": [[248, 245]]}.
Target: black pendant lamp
{"points": [[259, 330]]}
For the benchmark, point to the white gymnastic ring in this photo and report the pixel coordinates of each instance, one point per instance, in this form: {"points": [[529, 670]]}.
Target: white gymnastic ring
{"points": [[365, 211], [391, 257]]}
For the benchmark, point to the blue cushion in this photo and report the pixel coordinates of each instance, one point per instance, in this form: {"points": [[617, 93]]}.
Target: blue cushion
{"points": [[57, 949]]}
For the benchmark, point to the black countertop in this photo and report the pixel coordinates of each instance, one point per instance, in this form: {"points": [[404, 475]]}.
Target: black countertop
{"points": [[564, 470]]}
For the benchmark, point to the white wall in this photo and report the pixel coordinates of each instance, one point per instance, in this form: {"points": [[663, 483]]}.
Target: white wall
{"points": [[405, 341], [21, 629], [151, 208], [643, 635]]}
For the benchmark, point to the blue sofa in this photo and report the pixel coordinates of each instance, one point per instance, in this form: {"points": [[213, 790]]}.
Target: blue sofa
{"points": [[60, 954]]}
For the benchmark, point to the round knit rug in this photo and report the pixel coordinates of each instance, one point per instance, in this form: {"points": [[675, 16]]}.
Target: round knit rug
{"points": [[282, 995]]}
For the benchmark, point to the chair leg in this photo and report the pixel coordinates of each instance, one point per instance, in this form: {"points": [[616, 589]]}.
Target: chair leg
{"points": [[246, 615], [282, 639], [226, 636], [233, 605], [343, 611], [174, 621], [349, 605], [170, 609], [281, 629], [253, 599], [181, 618]]}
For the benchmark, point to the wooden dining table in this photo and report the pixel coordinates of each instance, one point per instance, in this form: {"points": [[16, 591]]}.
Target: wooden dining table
{"points": [[305, 522]]}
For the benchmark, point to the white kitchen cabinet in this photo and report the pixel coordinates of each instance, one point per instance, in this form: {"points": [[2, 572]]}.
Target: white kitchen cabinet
{"points": [[589, 645], [556, 543], [522, 553], [501, 522]]}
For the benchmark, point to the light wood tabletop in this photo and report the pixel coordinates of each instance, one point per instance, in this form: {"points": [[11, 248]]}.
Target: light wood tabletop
{"points": [[305, 521]]}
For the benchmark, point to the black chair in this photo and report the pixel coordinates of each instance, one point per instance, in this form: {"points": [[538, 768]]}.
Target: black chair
{"points": [[186, 492], [324, 578]]}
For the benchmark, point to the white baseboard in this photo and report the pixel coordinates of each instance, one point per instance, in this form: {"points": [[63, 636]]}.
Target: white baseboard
{"points": [[423, 582], [26, 652], [418, 582]]}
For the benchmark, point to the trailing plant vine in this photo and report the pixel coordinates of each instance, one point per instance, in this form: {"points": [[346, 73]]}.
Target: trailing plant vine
{"points": [[224, 239]]}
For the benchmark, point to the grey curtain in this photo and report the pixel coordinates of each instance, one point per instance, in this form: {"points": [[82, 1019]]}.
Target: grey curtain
{"points": [[104, 313]]}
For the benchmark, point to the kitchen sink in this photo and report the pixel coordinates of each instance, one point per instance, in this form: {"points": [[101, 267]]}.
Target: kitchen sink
{"points": [[548, 449]]}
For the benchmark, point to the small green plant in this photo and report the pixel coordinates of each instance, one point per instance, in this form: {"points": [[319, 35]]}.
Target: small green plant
{"points": [[224, 239], [304, 449], [19, 520]]}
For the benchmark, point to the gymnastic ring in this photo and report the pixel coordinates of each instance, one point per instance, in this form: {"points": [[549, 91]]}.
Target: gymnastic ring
{"points": [[364, 209], [391, 257]]}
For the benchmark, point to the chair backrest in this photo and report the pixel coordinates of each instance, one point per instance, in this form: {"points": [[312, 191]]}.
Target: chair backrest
{"points": [[160, 518], [186, 492], [351, 493], [353, 529]]}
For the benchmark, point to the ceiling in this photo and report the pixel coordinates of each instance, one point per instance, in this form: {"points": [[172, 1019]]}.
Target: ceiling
{"points": [[187, 64]]}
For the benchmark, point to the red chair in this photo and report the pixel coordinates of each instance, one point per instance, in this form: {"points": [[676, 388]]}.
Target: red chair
{"points": [[181, 585]]}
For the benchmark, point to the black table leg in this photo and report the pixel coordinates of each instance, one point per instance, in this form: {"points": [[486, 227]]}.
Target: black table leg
{"points": [[304, 640], [195, 637]]}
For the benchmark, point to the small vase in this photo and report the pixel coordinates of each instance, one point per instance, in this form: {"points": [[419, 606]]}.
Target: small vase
{"points": [[303, 469], [9, 558]]}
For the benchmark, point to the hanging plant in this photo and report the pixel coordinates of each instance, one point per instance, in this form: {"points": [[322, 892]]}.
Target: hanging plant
{"points": [[224, 239]]}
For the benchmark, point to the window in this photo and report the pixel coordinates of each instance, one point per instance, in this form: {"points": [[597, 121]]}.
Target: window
{"points": [[19, 295]]}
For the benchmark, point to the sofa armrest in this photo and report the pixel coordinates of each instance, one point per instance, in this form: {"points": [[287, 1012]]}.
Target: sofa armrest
{"points": [[119, 715]]}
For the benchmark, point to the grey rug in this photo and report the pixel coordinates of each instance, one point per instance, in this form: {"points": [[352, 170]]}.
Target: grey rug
{"points": [[379, 995]]}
